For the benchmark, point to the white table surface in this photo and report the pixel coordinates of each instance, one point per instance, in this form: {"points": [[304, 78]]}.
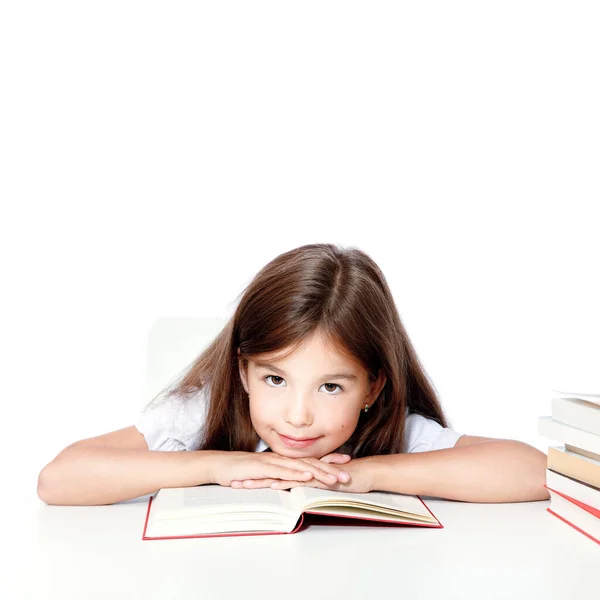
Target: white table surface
{"points": [[485, 551]]}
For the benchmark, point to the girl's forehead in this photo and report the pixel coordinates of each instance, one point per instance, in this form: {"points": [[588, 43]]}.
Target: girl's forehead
{"points": [[317, 344], [337, 362], [330, 351]]}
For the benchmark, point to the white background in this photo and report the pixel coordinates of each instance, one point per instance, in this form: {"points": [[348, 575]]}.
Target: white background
{"points": [[156, 155]]}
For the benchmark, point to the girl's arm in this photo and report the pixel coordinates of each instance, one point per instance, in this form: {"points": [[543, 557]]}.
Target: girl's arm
{"points": [[475, 470], [92, 475], [118, 466]]}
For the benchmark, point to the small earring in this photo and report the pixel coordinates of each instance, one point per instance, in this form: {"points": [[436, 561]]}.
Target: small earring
{"points": [[366, 407]]}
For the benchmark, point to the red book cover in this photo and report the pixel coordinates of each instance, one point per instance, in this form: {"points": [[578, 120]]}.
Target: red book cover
{"points": [[320, 519], [586, 507]]}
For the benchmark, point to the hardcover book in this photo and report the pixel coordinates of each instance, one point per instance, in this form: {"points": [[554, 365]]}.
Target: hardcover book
{"points": [[213, 510]]}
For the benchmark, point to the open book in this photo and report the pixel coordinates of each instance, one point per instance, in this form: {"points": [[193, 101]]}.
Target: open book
{"points": [[213, 510]]}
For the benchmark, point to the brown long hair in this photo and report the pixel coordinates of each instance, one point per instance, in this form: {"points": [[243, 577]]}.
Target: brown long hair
{"points": [[341, 294]]}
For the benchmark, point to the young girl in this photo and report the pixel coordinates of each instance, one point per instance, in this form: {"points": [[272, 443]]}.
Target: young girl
{"points": [[312, 382]]}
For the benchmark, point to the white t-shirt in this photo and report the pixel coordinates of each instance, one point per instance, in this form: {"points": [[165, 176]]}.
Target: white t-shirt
{"points": [[175, 423]]}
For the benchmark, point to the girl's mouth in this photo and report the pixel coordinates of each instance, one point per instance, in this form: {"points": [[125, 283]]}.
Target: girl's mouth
{"points": [[296, 443]]}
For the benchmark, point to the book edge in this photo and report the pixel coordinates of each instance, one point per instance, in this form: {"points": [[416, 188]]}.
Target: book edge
{"points": [[565, 450], [591, 537], [588, 436], [575, 409], [589, 509], [578, 482]]}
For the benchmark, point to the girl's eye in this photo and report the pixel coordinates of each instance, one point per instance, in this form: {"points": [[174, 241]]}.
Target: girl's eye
{"points": [[277, 377]]}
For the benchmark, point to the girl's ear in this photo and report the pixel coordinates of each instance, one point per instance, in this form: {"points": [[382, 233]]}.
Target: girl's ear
{"points": [[242, 374], [376, 387]]}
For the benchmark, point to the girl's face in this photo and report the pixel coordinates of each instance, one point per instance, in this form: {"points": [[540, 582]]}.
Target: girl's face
{"points": [[309, 403]]}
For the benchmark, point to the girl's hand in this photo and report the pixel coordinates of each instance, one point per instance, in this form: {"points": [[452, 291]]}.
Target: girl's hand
{"points": [[360, 479], [261, 469], [336, 458], [359, 482]]}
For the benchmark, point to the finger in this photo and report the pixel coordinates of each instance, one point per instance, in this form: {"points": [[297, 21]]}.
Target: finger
{"points": [[336, 458], [298, 471], [294, 469], [286, 485], [328, 473], [262, 483], [257, 483]]}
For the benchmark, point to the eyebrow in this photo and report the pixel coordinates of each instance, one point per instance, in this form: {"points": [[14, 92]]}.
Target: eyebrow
{"points": [[349, 376]]}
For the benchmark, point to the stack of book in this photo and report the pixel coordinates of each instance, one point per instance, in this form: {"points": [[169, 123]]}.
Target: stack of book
{"points": [[573, 469]]}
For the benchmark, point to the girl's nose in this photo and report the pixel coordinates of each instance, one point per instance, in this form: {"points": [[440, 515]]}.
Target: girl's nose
{"points": [[298, 413]]}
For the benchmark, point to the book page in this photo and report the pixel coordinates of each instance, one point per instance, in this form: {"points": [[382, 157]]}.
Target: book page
{"points": [[307, 498], [581, 453], [207, 495], [174, 503], [362, 513]]}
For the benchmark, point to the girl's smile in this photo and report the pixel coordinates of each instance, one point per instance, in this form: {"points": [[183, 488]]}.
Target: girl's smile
{"points": [[296, 442]]}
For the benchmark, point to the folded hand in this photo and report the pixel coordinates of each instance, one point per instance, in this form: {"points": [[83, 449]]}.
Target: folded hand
{"points": [[358, 480]]}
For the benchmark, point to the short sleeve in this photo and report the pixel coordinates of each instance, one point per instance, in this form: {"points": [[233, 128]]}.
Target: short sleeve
{"points": [[173, 423], [422, 435]]}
